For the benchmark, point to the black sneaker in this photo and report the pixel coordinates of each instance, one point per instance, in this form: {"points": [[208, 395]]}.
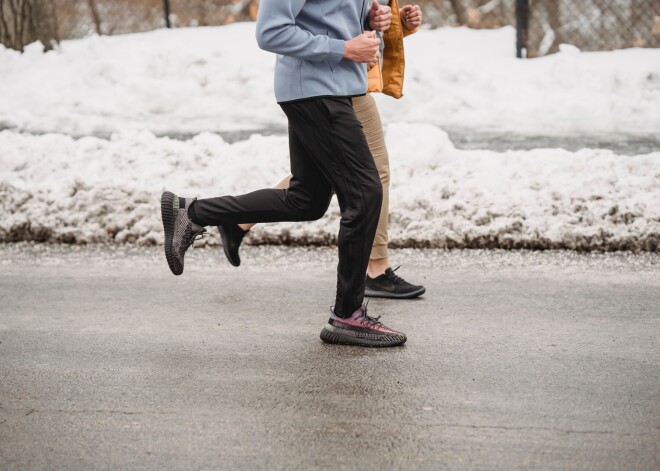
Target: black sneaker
{"points": [[360, 330], [390, 285], [232, 236], [180, 231]]}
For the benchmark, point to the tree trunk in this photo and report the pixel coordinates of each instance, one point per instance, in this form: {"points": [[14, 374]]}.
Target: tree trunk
{"points": [[460, 11], [96, 18], [25, 21], [554, 19]]}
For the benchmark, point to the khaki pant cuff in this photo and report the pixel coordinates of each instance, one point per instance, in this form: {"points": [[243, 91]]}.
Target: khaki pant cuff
{"points": [[378, 252]]}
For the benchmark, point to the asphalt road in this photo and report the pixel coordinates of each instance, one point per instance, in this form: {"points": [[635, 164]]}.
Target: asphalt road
{"points": [[514, 361]]}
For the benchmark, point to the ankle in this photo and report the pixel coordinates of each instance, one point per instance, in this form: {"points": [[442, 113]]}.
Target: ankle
{"points": [[377, 267], [246, 227], [192, 215]]}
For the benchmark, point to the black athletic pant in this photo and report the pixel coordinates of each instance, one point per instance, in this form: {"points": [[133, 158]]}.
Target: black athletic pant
{"points": [[328, 151]]}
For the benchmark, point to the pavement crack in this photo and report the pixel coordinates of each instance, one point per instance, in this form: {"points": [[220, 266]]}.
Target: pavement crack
{"points": [[545, 429], [74, 411], [511, 428]]}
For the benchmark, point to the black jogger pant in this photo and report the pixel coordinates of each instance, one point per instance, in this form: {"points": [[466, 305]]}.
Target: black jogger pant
{"points": [[328, 151]]}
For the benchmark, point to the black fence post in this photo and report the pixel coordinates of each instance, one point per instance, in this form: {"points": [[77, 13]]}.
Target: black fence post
{"points": [[522, 27], [166, 6]]}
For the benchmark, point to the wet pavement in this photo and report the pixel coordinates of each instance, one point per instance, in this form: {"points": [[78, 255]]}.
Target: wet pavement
{"points": [[502, 141], [515, 360], [463, 138], [499, 141]]}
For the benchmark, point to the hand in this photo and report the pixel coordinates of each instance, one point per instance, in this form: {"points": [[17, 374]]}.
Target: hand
{"points": [[371, 65], [380, 17], [411, 16], [363, 48]]}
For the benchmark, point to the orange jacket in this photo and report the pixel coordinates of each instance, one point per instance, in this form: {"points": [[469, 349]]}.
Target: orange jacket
{"points": [[390, 80]]}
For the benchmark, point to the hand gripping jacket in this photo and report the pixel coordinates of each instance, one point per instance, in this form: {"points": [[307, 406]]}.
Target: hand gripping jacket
{"points": [[389, 80]]}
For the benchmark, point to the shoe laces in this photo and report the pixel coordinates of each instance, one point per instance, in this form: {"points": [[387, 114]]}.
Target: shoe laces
{"points": [[367, 319], [396, 279], [196, 235]]}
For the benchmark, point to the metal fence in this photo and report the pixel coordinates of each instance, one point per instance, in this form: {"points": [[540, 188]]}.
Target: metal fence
{"points": [[80, 18], [591, 25], [542, 24]]}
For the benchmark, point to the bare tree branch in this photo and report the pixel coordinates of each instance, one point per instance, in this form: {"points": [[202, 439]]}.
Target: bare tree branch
{"points": [[26, 21]]}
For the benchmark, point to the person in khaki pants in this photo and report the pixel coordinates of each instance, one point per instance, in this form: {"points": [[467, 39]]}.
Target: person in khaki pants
{"points": [[385, 76]]}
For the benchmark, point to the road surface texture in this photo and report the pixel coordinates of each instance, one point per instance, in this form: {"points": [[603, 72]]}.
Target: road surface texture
{"points": [[515, 360]]}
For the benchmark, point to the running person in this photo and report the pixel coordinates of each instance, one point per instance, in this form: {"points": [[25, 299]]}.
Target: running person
{"points": [[322, 52], [385, 76]]}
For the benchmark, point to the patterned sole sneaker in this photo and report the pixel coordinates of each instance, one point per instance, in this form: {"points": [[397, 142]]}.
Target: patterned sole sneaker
{"points": [[169, 207], [180, 231], [360, 330], [338, 336]]}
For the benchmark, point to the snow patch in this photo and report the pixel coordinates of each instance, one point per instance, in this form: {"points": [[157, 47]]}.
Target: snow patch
{"points": [[216, 79], [55, 188]]}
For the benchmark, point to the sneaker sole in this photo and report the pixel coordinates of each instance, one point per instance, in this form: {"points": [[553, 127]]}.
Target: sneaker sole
{"points": [[235, 262], [169, 216], [330, 334], [372, 293]]}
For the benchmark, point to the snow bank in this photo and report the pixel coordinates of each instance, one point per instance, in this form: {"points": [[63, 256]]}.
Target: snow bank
{"points": [[211, 79], [194, 81], [57, 189]]}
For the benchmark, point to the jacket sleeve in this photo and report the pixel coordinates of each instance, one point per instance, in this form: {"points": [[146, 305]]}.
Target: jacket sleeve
{"points": [[407, 32], [277, 32]]}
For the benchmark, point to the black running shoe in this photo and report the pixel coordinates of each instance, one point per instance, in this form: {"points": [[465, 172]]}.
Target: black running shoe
{"points": [[360, 330], [390, 285], [232, 236], [180, 231]]}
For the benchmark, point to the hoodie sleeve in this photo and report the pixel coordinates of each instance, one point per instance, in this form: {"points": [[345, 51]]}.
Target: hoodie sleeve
{"points": [[277, 32]]}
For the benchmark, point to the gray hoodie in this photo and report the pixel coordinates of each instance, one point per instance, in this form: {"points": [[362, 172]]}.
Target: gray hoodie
{"points": [[308, 37]]}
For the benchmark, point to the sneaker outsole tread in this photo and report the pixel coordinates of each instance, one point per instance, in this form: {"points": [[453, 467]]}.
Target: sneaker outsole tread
{"points": [[168, 215], [330, 335]]}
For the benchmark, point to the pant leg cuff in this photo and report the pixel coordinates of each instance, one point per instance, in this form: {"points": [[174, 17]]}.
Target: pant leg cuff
{"points": [[378, 252]]}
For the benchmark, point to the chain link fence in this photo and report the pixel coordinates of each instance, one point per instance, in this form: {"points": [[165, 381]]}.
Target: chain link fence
{"points": [[543, 25], [479, 14], [80, 18], [592, 25]]}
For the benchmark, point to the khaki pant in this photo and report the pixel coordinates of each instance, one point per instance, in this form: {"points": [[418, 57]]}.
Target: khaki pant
{"points": [[367, 112]]}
